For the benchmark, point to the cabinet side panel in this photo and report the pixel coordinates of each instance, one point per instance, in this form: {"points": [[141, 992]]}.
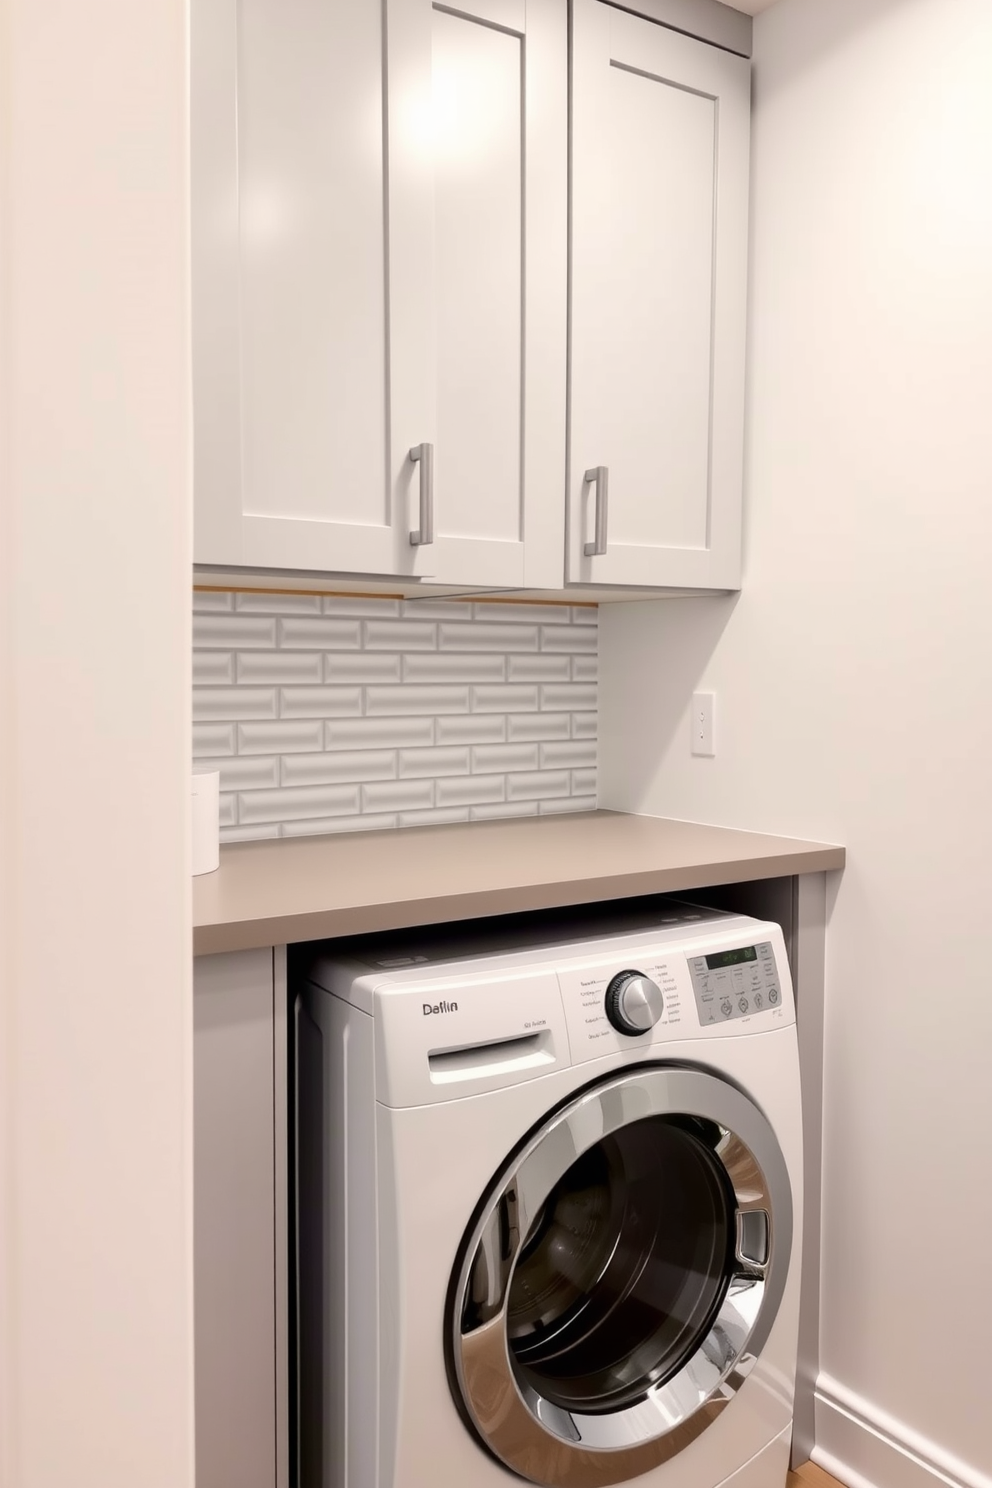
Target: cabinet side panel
{"points": [[234, 1220]]}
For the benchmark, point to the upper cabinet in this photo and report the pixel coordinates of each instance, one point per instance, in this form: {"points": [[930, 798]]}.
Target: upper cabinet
{"points": [[379, 196], [382, 353], [659, 145]]}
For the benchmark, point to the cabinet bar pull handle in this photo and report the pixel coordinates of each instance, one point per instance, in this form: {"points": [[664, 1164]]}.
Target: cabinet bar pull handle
{"points": [[425, 532], [601, 476]]}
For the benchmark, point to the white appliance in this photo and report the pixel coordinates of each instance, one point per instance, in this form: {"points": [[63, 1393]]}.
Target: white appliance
{"points": [[549, 1207]]}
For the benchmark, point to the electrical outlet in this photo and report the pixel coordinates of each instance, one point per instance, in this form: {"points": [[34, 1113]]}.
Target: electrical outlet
{"points": [[703, 738]]}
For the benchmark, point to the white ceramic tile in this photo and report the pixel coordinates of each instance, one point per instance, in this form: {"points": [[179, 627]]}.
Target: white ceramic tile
{"points": [[504, 808], [325, 824], [208, 602], [585, 668], [399, 635], [243, 772], [370, 711], [297, 803], [576, 755], [233, 703], [470, 790], [278, 604], [442, 761], [438, 666], [378, 733], [537, 668], [507, 699], [320, 702], [493, 759], [357, 607], [212, 667], [571, 697], [211, 739], [569, 638], [436, 609], [398, 795], [320, 633], [472, 728], [233, 632], [227, 812], [568, 803], [361, 666], [507, 613], [409, 698], [281, 667], [483, 636], [254, 833], [297, 736], [524, 727], [436, 817], [540, 785], [339, 767]]}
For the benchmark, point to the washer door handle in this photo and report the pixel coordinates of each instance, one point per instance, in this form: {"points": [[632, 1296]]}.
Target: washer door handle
{"points": [[752, 1238]]}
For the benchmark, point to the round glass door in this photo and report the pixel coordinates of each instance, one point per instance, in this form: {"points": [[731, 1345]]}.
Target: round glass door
{"points": [[622, 1274], [624, 1267]]}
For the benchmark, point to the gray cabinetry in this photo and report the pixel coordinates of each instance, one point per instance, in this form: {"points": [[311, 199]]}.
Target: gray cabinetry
{"points": [[380, 199]]}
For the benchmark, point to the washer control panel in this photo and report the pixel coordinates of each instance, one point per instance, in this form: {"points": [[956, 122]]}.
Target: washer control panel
{"points": [[736, 983]]}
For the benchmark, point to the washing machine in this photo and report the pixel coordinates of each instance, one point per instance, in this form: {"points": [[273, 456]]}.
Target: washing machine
{"points": [[549, 1199]]}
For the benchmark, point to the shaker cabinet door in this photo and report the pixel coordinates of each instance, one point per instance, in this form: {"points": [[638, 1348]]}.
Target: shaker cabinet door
{"points": [[477, 218], [292, 342], [659, 157], [379, 236]]}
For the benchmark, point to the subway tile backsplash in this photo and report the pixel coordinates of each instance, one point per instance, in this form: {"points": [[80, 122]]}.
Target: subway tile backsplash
{"points": [[329, 714]]}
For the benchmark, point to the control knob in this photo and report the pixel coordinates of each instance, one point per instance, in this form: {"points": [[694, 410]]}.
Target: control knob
{"points": [[634, 1003]]}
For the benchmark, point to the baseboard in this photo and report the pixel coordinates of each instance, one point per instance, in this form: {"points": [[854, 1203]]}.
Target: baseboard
{"points": [[865, 1447]]}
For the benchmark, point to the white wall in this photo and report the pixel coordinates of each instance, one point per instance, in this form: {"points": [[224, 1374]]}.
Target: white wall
{"points": [[854, 672], [95, 1087]]}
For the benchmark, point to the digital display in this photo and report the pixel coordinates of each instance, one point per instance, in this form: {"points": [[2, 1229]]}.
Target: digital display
{"points": [[731, 958]]}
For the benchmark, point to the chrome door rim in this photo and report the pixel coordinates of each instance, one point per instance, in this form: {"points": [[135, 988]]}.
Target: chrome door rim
{"points": [[539, 1440]]}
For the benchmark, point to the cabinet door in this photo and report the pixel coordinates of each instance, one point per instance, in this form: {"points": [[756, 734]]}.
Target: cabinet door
{"points": [[477, 231], [291, 341], [660, 127], [234, 1221]]}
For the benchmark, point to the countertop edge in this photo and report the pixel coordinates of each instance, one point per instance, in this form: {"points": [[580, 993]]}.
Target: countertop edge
{"points": [[284, 929]]}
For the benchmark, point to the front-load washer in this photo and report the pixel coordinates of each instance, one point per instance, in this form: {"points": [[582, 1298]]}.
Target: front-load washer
{"points": [[549, 1199]]}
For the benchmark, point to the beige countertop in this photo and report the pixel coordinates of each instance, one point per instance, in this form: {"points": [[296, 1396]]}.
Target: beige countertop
{"points": [[307, 888]]}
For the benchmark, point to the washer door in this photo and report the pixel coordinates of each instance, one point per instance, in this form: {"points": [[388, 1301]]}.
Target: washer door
{"points": [[623, 1274]]}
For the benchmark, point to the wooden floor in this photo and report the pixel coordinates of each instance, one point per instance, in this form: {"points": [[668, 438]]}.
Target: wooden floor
{"points": [[811, 1476]]}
